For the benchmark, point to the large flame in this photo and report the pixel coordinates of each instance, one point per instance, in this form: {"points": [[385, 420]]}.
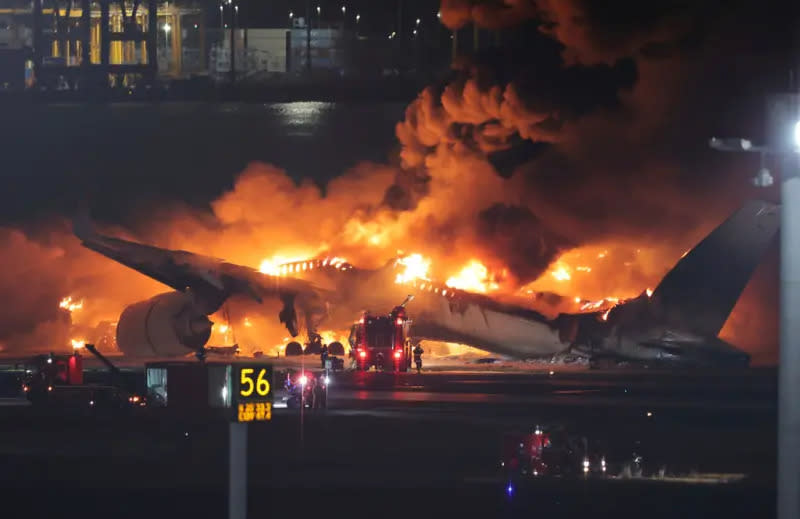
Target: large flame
{"points": [[415, 267], [70, 305], [473, 277]]}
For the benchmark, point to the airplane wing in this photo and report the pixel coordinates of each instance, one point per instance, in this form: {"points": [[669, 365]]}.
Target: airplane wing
{"points": [[211, 280]]}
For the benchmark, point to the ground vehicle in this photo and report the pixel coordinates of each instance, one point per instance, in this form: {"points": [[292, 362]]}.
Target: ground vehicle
{"points": [[59, 380], [550, 452], [381, 341], [523, 453], [300, 387]]}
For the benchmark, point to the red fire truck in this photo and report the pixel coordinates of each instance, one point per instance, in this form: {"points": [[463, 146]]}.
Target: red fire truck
{"points": [[380, 340]]}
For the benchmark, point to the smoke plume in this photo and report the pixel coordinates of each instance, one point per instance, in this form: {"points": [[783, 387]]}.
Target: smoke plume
{"points": [[570, 161]]}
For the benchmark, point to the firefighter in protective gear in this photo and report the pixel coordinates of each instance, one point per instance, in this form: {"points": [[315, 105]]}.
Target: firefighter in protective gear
{"points": [[323, 354], [418, 351]]}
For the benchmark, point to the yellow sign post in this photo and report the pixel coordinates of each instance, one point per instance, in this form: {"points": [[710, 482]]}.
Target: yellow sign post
{"points": [[252, 401], [252, 393]]}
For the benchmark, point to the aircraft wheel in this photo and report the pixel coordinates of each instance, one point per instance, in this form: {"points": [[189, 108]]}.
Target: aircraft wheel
{"points": [[294, 349], [336, 349]]}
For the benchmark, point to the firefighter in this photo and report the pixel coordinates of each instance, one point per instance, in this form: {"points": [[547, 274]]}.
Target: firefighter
{"points": [[418, 351], [323, 354], [317, 394]]}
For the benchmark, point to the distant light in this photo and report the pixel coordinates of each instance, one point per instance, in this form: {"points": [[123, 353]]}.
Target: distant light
{"points": [[797, 134], [91, 402], [303, 380], [344, 9], [415, 32], [167, 28], [327, 380], [418, 20], [649, 414], [319, 9], [291, 14], [509, 489], [439, 15], [552, 372], [358, 17], [236, 8], [226, 25], [195, 26], [224, 393], [221, 8]]}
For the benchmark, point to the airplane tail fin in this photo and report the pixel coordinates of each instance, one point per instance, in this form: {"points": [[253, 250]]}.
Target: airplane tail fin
{"points": [[82, 225], [700, 291]]}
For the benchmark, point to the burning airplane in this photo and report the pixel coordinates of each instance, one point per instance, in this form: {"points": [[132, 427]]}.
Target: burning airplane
{"points": [[677, 323]]}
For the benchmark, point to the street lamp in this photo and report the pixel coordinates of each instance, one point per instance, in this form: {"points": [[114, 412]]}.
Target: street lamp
{"points": [[797, 135], [781, 117]]}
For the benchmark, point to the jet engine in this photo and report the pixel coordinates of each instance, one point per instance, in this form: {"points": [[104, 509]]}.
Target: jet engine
{"points": [[169, 324]]}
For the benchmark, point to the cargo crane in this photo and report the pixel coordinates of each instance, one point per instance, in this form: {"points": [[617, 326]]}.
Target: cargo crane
{"points": [[381, 340]]}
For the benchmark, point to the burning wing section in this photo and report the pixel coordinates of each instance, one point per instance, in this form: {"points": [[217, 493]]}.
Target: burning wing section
{"points": [[176, 322]]}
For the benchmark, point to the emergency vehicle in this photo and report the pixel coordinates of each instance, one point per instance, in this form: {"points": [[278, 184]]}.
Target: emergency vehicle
{"points": [[59, 380], [381, 340]]}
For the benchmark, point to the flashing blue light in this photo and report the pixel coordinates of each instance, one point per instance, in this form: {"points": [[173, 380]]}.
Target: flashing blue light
{"points": [[509, 489]]}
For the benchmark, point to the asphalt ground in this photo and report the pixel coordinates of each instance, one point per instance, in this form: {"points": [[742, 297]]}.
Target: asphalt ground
{"points": [[410, 444]]}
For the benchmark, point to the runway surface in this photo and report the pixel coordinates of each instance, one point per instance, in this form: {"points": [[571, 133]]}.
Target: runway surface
{"points": [[386, 437]]}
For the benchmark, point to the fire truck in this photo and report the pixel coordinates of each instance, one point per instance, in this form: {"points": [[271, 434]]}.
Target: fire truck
{"points": [[381, 340]]}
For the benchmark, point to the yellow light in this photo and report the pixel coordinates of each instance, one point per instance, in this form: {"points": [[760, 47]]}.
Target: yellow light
{"points": [[473, 277], [415, 267]]}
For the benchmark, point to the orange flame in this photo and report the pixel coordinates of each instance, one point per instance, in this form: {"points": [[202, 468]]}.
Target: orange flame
{"points": [[416, 268], [68, 304], [474, 277]]}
